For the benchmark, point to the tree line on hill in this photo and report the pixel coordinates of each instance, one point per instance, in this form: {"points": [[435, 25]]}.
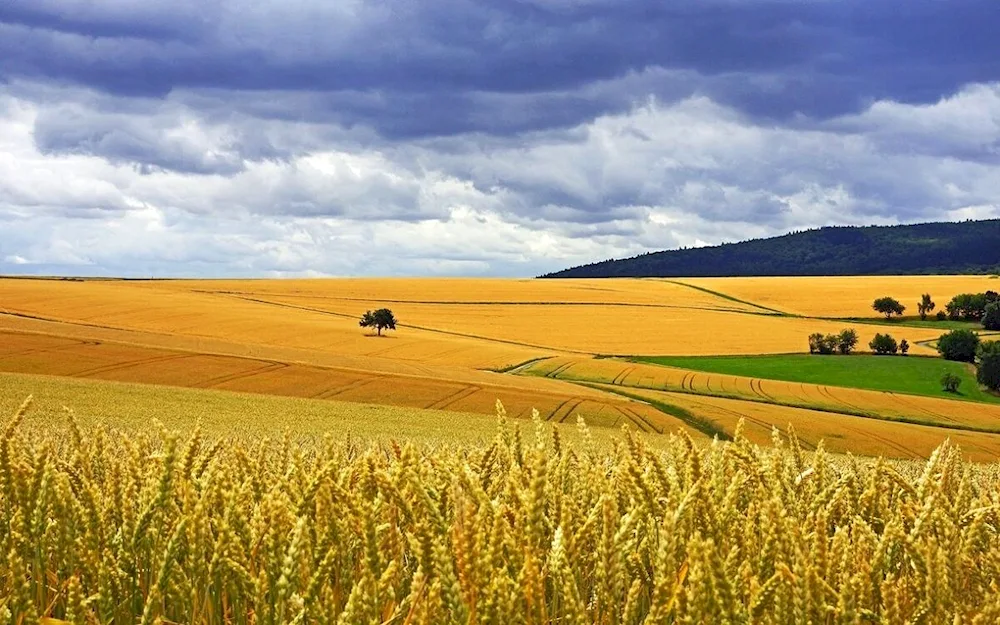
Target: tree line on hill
{"points": [[969, 247]]}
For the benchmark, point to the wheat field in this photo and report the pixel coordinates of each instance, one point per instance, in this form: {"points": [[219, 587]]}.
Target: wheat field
{"points": [[157, 526], [846, 296], [464, 343]]}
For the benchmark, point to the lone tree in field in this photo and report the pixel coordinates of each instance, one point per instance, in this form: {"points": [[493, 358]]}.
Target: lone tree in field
{"points": [[381, 319], [950, 382], [988, 369], [925, 306], [888, 306]]}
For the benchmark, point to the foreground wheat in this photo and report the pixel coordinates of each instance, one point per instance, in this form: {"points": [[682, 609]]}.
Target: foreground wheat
{"points": [[107, 528]]}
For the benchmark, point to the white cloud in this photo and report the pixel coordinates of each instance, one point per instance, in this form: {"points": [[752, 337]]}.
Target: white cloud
{"points": [[312, 199]]}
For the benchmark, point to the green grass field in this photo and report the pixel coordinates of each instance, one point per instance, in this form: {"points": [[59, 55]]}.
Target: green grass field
{"points": [[912, 374], [916, 322]]}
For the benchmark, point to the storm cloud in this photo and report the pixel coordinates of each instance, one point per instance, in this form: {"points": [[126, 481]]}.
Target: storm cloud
{"points": [[508, 137]]}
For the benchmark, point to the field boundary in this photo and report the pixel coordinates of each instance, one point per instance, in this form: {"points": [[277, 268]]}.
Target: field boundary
{"points": [[770, 311]]}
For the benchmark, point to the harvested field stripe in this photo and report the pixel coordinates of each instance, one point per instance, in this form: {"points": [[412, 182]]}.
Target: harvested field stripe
{"points": [[757, 387], [684, 381], [571, 405], [620, 378], [128, 365], [888, 442], [223, 379], [901, 398], [556, 410], [569, 411], [555, 373], [641, 422], [347, 387], [48, 350], [459, 395]]}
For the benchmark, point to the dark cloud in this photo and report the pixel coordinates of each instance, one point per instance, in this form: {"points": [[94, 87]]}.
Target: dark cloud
{"points": [[437, 68], [224, 137]]}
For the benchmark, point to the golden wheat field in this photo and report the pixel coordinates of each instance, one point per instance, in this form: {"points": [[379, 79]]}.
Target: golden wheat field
{"points": [[158, 526], [845, 296], [464, 343], [241, 452]]}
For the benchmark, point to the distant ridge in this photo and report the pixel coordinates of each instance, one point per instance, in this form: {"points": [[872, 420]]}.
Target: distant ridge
{"points": [[968, 247]]}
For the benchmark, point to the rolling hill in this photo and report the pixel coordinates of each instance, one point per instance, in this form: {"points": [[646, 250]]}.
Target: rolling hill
{"points": [[969, 247]]}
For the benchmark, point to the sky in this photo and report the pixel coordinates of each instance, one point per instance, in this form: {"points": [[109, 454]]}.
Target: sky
{"points": [[478, 137]]}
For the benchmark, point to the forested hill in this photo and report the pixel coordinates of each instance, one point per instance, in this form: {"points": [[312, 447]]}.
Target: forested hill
{"points": [[932, 248]]}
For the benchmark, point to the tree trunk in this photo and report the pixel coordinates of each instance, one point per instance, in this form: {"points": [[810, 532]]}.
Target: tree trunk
{"points": [[379, 328]]}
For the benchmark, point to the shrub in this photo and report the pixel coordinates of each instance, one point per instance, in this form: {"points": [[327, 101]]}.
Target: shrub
{"points": [[950, 382], [884, 344], [942, 315], [826, 344], [971, 306], [847, 340], [904, 347], [815, 341], [988, 368], [959, 345], [888, 307], [823, 344], [991, 318]]}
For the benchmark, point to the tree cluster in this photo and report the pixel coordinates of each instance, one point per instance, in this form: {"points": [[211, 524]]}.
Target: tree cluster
{"points": [[843, 343], [981, 307], [973, 306], [886, 345], [966, 346]]}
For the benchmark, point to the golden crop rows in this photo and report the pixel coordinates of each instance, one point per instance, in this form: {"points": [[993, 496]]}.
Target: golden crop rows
{"points": [[839, 432], [110, 527], [847, 296], [930, 410], [468, 290], [42, 354]]}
